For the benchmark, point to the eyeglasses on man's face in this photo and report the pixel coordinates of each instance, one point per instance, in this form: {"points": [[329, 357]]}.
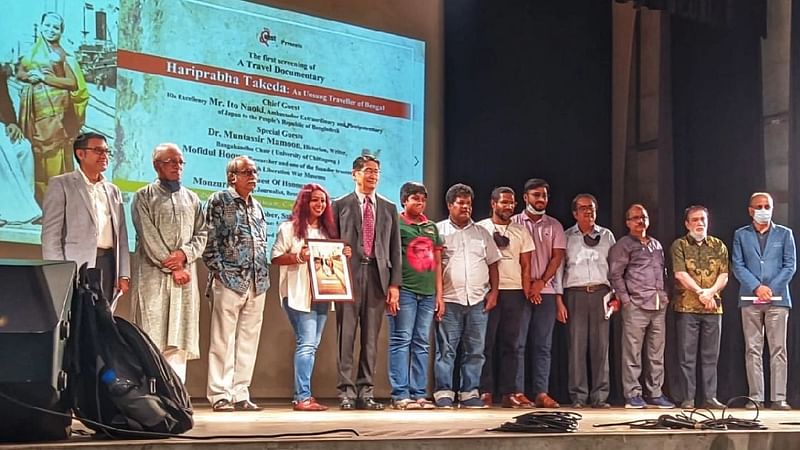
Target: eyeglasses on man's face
{"points": [[99, 150], [370, 171], [248, 172], [172, 162]]}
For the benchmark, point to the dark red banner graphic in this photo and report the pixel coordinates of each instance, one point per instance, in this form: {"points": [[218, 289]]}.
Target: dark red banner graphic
{"points": [[200, 73]]}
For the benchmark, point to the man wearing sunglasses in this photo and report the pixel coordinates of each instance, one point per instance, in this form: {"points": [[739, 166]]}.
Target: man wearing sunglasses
{"points": [[83, 217], [586, 285], [508, 321]]}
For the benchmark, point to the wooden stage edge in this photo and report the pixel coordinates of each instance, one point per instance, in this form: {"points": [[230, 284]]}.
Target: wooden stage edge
{"points": [[440, 429]]}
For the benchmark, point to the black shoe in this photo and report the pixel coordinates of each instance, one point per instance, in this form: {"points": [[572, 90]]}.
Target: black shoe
{"points": [[751, 405], [246, 405], [347, 404], [713, 403], [601, 405], [687, 404], [781, 405], [222, 405], [369, 404]]}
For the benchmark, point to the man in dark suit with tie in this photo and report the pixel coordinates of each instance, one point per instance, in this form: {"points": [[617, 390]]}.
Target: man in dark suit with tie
{"points": [[83, 219], [368, 223]]}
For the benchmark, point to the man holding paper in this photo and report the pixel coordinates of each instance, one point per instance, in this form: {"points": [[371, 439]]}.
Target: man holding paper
{"points": [[586, 288], [764, 261]]}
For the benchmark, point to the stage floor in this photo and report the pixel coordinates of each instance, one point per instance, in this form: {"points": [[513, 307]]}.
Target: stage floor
{"points": [[442, 429]]}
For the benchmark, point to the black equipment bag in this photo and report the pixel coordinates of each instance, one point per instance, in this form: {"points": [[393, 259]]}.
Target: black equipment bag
{"points": [[119, 377]]}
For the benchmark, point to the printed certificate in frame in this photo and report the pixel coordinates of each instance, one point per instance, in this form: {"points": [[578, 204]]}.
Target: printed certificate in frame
{"points": [[329, 270]]}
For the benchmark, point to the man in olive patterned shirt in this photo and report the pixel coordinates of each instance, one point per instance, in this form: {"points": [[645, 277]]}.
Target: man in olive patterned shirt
{"points": [[700, 263]]}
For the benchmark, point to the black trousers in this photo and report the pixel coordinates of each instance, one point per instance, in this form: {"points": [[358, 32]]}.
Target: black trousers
{"points": [[366, 315], [505, 350], [106, 262]]}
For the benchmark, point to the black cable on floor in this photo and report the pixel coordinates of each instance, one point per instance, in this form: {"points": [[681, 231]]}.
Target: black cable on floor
{"points": [[542, 422], [696, 419], [155, 435]]}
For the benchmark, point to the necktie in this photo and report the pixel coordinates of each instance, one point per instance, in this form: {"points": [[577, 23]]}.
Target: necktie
{"points": [[368, 227]]}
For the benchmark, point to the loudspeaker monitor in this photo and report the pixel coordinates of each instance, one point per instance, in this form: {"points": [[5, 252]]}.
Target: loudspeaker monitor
{"points": [[35, 304]]}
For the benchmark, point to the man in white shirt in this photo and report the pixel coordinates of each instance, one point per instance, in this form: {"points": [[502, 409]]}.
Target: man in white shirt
{"points": [[470, 283], [586, 285]]}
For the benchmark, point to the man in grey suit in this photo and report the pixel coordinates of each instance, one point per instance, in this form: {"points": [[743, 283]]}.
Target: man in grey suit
{"points": [[368, 223], [83, 219]]}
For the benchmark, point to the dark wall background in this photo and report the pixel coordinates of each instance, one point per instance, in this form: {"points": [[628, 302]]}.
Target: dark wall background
{"points": [[719, 154], [527, 94]]}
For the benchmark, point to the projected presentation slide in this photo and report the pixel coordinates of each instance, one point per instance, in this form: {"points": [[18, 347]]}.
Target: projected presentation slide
{"points": [[300, 95]]}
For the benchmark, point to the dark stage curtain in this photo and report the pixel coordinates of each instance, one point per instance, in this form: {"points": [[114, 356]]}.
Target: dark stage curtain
{"points": [[719, 159], [794, 200], [528, 89], [727, 13]]}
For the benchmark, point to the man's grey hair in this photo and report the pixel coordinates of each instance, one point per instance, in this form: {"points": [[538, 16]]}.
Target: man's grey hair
{"points": [[160, 148], [761, 194], [233, 166]]}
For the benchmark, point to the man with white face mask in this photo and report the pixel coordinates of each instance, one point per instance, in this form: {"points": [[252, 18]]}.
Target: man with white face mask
{"points": [[700, 263], [764, 262], [544, 291]]}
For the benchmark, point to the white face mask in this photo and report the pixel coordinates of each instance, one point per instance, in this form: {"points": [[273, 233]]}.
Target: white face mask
{"points": [[534, 211], [762, 216]]}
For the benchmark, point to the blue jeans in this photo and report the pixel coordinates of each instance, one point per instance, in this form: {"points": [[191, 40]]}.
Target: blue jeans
{"points": [[410, 338], [465, 325], [539, 340], [308, 328]]}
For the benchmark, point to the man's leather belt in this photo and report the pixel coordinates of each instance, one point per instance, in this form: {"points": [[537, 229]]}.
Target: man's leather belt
{"points": [[590, 289]]}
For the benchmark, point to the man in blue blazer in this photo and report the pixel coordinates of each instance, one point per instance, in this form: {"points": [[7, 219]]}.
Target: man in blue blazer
{"points": [[368, 223], [83, 219], [764, 261]]}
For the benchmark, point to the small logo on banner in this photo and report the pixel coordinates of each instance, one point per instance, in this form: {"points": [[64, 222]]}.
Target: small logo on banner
{"points": [[265, 36]]}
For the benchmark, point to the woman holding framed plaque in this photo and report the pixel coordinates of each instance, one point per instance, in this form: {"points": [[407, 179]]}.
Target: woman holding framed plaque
{"points": [[311, 218]]}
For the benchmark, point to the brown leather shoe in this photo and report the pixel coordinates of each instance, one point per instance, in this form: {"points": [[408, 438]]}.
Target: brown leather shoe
{"points": [[309, 404], [246, 405], [544, 401], [511, 401], [487, 399], [524, 401]]}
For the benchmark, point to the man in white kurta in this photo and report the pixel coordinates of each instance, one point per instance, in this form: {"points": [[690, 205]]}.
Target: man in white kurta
{"points": [[170, 237]]}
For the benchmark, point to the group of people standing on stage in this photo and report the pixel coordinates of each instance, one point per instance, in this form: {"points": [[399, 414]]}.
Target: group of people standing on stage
{"points": [[493, 289]]}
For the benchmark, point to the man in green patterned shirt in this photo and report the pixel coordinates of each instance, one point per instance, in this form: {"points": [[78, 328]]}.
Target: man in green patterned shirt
{"points": [[700, 263]]}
